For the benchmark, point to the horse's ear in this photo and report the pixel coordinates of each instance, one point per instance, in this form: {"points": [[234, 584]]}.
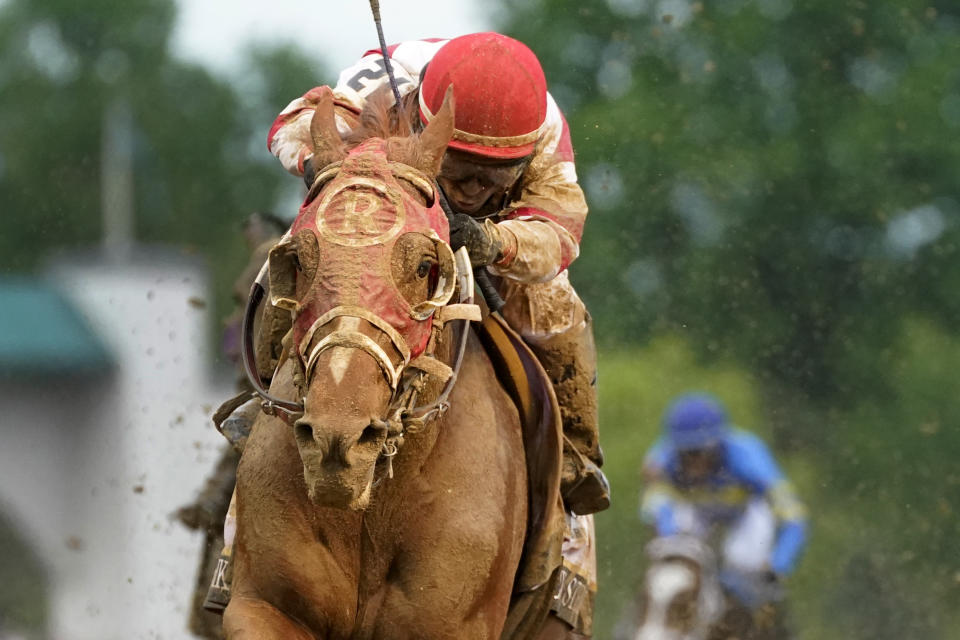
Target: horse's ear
{"points": [[436, 136], [327, 145]]}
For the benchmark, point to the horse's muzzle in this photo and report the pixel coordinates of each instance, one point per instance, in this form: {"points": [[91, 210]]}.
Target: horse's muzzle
{"points": [[338, 462]]}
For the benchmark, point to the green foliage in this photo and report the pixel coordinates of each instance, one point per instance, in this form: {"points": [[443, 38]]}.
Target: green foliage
{"points": [[885, 519], [758, 159], [23, 585], [775, 182], [882, 497], [200, 160]]}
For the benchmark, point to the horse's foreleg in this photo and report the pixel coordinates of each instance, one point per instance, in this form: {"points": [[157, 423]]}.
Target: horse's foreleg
{"points": [[252, 619]]}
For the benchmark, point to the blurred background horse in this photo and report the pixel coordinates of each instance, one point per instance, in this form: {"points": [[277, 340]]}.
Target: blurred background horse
{"points": [[684, 596], [681, 598]]}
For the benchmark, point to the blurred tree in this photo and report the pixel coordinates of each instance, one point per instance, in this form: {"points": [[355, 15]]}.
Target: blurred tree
{"points": [[23, 586], [776, 182], [200, 162], [769, 178]]}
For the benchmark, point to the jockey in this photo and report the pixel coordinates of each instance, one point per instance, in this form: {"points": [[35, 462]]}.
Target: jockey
{"points": [[703, 474], [509, 178]]}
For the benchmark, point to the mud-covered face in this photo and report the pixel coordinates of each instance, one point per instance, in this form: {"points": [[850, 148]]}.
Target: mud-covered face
{"points": [[363, 269], [697, 465], [476, 185], [376, 249]]}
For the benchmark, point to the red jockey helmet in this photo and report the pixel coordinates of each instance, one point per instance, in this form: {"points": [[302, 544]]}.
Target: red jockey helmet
{"points": [[499, 90]]}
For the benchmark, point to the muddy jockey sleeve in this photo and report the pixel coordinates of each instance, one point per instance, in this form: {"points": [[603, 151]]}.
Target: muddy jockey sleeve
{"points": [[751, 470], [542, 227]]}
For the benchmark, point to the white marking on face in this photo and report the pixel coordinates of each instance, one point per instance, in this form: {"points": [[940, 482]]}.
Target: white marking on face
{"points": [[664, 583], [341, 357]]}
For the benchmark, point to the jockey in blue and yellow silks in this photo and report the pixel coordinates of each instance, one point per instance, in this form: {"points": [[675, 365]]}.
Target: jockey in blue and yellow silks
{"points": [[703, 474]]}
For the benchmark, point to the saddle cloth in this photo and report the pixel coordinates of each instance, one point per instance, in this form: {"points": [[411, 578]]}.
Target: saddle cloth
{"points": [[557, 571]]}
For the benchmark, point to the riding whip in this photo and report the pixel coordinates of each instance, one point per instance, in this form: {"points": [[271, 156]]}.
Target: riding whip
{"points": [[375, 7], [481, 277]]}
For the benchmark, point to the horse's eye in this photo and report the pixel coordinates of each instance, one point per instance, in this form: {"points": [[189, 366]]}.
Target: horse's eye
{"points": [[423, 269]]}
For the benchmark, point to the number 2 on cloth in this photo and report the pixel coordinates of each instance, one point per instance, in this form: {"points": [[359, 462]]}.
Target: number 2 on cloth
{"points": [[362, 81]]}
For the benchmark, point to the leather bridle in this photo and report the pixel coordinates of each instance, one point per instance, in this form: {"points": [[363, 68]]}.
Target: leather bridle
{"points": [[403, 414]]}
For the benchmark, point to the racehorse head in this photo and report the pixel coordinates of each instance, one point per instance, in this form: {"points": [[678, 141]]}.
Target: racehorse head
{"points": [[681, 595], [363, 269]]}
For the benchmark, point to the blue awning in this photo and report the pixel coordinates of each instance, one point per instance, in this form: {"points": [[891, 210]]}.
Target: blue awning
{"points": [[42, 333]]}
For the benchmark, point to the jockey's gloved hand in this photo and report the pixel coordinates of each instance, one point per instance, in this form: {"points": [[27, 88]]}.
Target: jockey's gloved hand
{"points": [[309, 171], [482, 240]]}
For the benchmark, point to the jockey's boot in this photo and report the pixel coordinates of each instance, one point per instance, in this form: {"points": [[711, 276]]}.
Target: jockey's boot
{"points": [[570, 360], [235, 417], [238, 425]]}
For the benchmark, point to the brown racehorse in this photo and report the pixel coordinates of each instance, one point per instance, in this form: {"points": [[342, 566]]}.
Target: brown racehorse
{"points": [[342, 532]]}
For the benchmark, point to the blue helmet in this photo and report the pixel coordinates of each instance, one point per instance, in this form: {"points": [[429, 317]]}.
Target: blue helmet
{"points": [[695, 421]]}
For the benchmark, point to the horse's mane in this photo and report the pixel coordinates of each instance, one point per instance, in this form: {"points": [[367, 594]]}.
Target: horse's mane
{"points": [[379, 119]]}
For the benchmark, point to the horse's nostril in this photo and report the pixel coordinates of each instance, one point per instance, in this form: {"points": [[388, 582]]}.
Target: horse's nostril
{"points": [[302, 431], [372, 434]]}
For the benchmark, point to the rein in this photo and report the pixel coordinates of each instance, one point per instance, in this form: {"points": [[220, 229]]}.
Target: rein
{"points": [[403, 415], [490, 294], [286, 410]]}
